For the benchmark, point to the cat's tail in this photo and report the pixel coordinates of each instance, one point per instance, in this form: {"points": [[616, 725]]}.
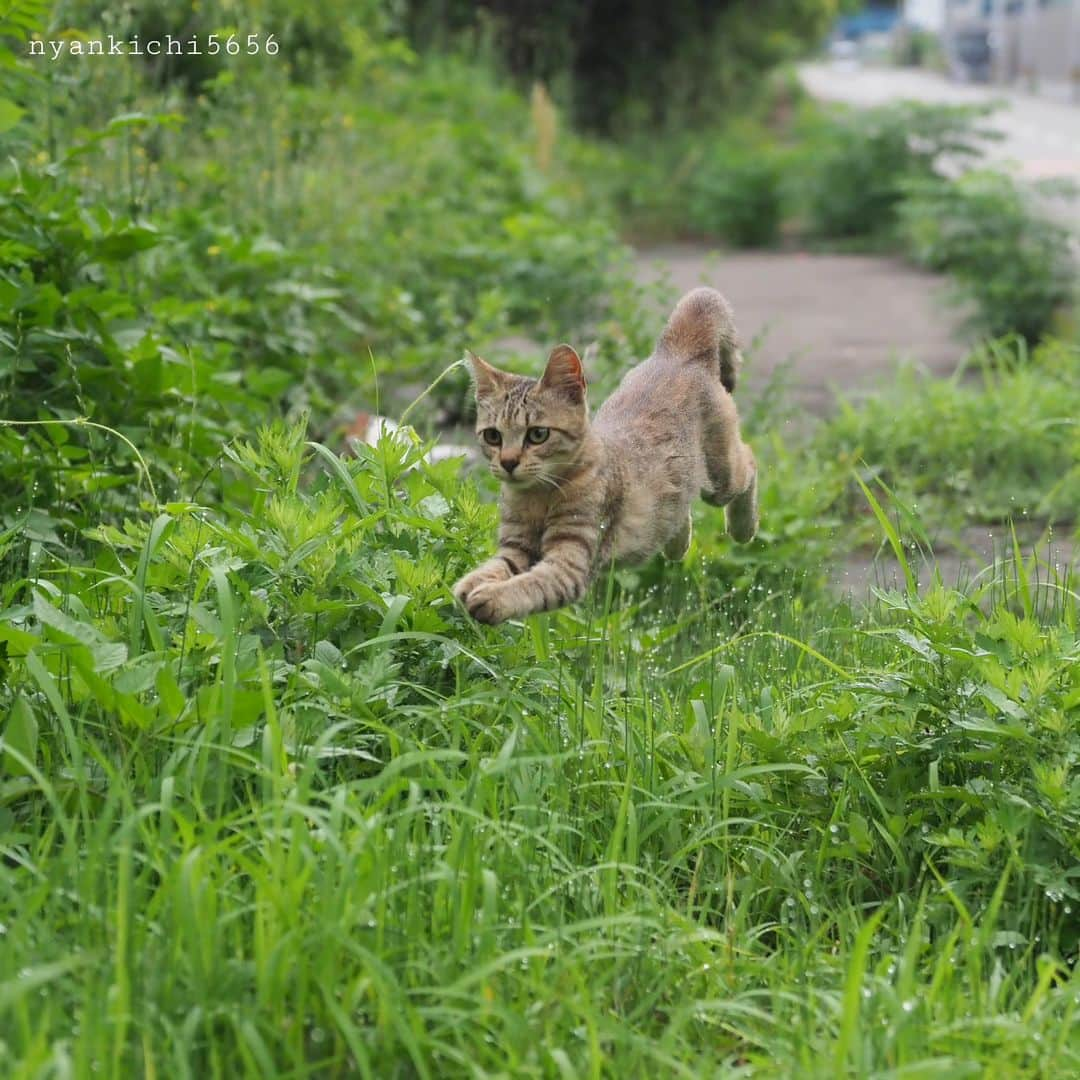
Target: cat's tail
{"points": [[701, 326]]}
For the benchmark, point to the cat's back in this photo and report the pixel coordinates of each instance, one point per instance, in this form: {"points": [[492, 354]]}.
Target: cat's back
{"points": [[653, 396]]}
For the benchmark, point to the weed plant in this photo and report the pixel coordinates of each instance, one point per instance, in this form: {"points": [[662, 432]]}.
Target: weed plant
{"points": [[999, 440]]}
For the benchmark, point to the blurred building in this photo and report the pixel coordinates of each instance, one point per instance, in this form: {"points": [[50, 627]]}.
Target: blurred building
{"points": [[925, 14], [1032, 42]]}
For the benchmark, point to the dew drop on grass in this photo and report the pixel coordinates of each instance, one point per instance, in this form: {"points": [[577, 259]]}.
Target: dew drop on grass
{"points": [[908, 1006]]}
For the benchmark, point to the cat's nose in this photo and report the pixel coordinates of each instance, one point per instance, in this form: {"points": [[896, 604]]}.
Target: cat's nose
{"points": [[509, 464]]}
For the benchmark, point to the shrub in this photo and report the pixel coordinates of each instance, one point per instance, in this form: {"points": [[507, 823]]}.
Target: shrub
{"points": [[1012, 261], [182, 282], [634, 64], [856, 166], [735, 196], [1008, 446]]}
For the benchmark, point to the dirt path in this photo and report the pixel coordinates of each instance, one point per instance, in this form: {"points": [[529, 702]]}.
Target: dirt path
{"points": [[844, 323]]}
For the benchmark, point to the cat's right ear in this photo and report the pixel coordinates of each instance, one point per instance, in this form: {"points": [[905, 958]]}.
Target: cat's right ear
{"points": [[486, 379]]}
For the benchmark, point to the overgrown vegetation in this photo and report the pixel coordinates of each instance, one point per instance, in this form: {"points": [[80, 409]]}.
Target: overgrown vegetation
{"points": [[882, 178], [1003, 445], [271, 804], [1015, 266], [632, 64], [858, 165]]}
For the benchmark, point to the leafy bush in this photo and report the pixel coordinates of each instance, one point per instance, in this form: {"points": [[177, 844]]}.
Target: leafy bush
{"points": [[1012, 261], [1005, 446], [735, 195], [311, 40], [177, 275], [856, 166], [636, 65]]}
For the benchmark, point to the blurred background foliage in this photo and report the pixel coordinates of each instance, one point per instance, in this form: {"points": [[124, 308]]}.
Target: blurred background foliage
{"points": [[624, 66]]}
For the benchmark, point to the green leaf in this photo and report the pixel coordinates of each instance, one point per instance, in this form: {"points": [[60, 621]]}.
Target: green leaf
{"points": [[62, 623], [10, 114], [21, 736]]}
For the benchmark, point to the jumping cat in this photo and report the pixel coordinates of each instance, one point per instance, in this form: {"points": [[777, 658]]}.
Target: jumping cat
{"points": [[578, 493]]}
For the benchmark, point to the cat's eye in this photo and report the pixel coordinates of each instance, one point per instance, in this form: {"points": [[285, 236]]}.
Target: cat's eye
{"points": [[491, 436], [537, 435]]}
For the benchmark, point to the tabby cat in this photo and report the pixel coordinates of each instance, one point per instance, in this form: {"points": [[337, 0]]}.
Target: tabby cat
{"points": [[579, 493]]}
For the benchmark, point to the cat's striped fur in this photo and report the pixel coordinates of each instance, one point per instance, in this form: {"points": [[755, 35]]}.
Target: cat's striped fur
{"points": [[577, 494]]}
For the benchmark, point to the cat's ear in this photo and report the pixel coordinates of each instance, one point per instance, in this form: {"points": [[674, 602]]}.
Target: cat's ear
{"points": [[486, 379], [564, 374]]}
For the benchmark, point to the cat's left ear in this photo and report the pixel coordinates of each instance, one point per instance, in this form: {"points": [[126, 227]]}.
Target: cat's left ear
{"points": [[564, 374]]}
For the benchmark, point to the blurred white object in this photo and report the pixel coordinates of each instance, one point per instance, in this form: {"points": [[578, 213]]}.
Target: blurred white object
{"points": [[368, 428]]}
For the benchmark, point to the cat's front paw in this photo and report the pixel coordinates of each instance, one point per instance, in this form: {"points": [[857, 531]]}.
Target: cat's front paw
{"points": [[494, 570], [488, 603], [463, 589]]}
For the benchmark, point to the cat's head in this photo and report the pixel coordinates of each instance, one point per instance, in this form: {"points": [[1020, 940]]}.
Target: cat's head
{"points": [[532, 430]]}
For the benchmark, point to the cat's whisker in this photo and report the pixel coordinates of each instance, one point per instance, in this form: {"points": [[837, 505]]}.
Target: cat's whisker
{"points": [[549, 480]]}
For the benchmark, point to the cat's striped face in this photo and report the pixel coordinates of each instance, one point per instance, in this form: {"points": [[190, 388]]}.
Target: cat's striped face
{"points": [[531, 430]]}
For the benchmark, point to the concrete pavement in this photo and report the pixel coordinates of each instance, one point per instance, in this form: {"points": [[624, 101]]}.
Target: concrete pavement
{"points": [[1040, 137]]}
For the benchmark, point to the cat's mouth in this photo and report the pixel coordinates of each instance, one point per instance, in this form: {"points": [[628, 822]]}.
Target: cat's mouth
{"points": [[520, 480]]}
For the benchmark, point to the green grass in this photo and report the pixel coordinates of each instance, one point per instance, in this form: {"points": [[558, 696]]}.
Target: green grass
{"points": [[272, 805], [999, 440]]}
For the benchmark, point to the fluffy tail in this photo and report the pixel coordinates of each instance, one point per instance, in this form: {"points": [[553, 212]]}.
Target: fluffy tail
{"points": [[701, 326]]}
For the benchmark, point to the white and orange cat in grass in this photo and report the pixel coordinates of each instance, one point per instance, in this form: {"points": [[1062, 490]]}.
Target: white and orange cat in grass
{"points": [[578, 493]]}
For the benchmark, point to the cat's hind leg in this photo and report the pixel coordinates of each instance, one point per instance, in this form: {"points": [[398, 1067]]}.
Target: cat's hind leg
{"points": [[677, 547], [732, 473], [741, 514]]}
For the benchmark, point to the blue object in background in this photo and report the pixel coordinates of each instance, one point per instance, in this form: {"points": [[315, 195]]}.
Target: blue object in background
{"points": [[870, 20]]}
